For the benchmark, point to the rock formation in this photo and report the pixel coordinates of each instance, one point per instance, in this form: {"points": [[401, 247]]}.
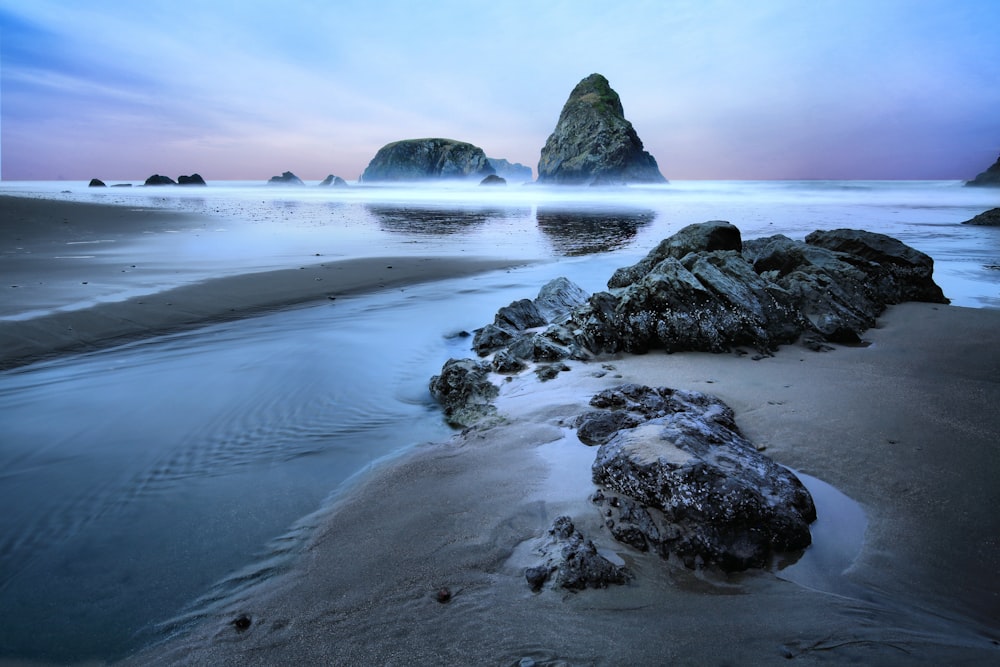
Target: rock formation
{"points": [[493, 179], [990, 177], [593, 144], [335, 181], [286, 178], [423, 159], [990, 218], [96, 183], [511, 171], [157, 179], [572, 562], [691, 486], [193, 179]]}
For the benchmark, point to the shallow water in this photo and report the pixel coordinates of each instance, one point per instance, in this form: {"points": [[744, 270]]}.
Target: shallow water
{"points": [[135, 478]]}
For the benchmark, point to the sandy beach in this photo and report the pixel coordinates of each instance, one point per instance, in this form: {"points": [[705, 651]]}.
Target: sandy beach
{"points": [[905, 426]]}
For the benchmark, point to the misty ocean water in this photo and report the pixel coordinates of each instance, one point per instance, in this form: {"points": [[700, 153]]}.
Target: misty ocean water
{"points": [[137, 479]]}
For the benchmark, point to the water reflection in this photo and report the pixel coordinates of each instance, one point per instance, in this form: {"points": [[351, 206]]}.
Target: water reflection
{"points": [[586, 232], [434, 220]]}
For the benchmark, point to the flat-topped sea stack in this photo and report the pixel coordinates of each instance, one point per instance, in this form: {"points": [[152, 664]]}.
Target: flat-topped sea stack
{"points": [[428, 159], [989, 178], [593, 144]]}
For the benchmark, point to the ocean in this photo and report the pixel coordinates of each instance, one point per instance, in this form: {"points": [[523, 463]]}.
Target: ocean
{"points": [[139, 482]]}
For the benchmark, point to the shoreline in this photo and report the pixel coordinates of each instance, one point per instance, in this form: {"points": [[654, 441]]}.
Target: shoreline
{"points": [[905, 427]]}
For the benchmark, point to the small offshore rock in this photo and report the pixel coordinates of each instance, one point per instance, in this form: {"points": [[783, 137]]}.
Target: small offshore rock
{"points": [[990, 218], [493, 179], [96, 183]]}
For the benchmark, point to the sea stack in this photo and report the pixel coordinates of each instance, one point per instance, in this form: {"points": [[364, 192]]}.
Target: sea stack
{"points": [[427, 159], [990, 177], [593, 143]]}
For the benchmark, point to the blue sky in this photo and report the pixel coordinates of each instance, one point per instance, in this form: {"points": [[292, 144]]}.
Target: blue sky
{"points": [[716, 89]]}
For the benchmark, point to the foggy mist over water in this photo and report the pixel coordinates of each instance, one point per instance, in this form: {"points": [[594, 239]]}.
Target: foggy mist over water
{"points": [[139, 476]]}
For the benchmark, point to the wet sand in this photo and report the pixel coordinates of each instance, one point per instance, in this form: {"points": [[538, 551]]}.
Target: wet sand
{"points": [[906, 427], [34, 233]]}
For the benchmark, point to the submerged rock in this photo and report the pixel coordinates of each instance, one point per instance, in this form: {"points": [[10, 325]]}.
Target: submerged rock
{"points": [[572, 562], [593, 143], [989, 178], [427, 159], [692, 486], [990, 218], [286, 178]]}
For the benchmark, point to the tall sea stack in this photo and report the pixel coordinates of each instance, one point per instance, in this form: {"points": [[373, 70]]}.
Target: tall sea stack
{"points": [[593, 144]]}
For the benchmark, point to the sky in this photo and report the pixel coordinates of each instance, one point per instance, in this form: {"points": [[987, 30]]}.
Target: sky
{"points": [[243, 90]]}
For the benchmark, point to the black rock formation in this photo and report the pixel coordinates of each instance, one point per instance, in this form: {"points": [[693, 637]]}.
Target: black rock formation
{"points": [[286, 178], [990, 177], [593, 144], [193, 179], [691, 486], [571, 561], [511, 171], [464, 391], [423, 159], [493, 179], [335, 181], [990, 218], [96, 183], [157, 179]]}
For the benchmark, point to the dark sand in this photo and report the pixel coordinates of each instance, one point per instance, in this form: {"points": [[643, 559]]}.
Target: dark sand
{"points": [[907, 427], [34, 232]]}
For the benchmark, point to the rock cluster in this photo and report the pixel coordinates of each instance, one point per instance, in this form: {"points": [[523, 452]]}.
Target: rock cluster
{"points": [[689, 484], [704, 289], [572, 561], [423, 159], [593, 143], [990, 177]]}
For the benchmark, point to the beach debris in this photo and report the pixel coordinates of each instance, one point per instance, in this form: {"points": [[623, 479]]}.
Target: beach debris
{"points": [[678, 478], [573, 562], [443, 595]]}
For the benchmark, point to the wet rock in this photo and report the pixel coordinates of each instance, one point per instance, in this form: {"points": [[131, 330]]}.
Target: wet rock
{"points": [[689, 484], [989, 218], [572, 562], [701, 237], [286, 178], [157, 179], [593, 143], [557, 299], [599, 426], [193, 179], [506, 363], [465, 392], [423, 159]]}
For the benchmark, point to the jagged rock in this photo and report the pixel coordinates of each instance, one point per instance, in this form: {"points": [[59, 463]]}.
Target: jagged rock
{"points": [[897, 271], [554, 302], [422, 159], [157, 179], [506, 363], [990, 177], [286, 178], [493, 179], [335, 181], [693, 487], [593, 144], [96, 183], [557, 299], [193, 179], [572, 562], [700, 237], [511, 171], [465, 392], [989, 218]]}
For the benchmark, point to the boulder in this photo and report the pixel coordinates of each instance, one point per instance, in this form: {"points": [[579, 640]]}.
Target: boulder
{"points": [[286, 178], [691, 486], [571, 561], [493, 179], [511, 171], [96, 183], [157, 179], [427, 159], [334, 181], [465, 392], [990, 218], [193, 179], [701, 237], [593, 143], [989, 178]]}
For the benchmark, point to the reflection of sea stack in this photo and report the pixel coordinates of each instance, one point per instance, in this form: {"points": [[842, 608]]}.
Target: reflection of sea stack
{"points": [[593, 144], [990, 177]]}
